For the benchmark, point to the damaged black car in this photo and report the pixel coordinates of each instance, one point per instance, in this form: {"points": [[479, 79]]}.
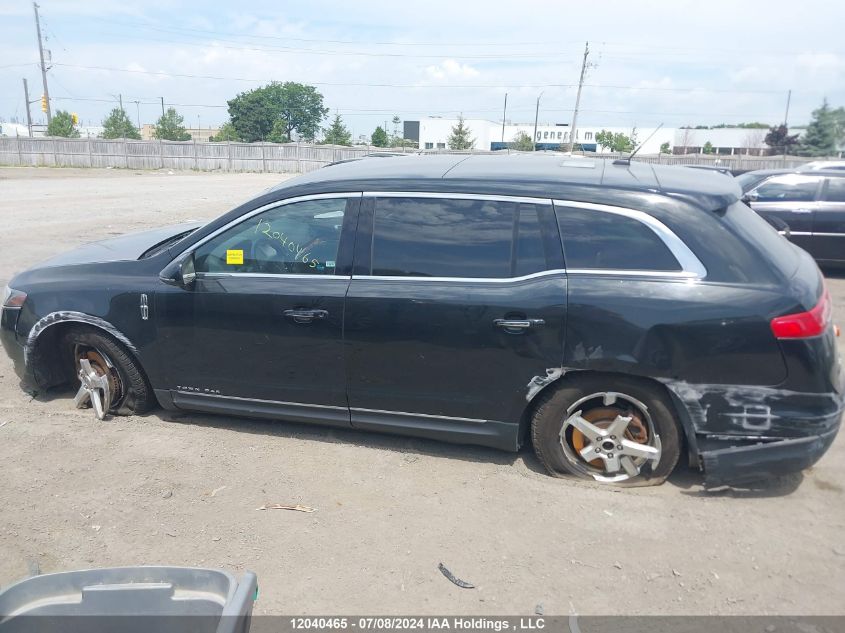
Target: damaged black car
{"points": [[619, 317]]}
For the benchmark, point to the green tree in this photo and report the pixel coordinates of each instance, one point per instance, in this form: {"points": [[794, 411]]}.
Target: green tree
{"points": [[708, 148], [227, 133], [62, 125], [118, 125], [664, 148], [169, 127], [521, 142], [617, 142], [337, 133], [277, 111], [379, 137], [780, 141], [460, 137], [822, 136]]}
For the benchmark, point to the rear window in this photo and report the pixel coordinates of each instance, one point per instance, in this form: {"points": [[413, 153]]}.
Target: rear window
{"points": [[835, 190], [608, 241], [441, 237], [754, 230]]}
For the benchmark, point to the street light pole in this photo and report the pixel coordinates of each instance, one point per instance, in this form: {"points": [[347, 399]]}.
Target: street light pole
{"points": [[536, 116]]}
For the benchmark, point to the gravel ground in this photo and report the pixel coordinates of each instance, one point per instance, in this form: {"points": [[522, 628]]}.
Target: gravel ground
{"points": [[184, 489]]}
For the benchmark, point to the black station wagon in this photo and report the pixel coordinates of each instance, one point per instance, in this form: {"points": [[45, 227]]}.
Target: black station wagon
{"points": [[616, 316]]}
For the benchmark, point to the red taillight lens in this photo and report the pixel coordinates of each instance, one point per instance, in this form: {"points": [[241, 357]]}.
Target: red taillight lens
{"points": [[804, 324]]}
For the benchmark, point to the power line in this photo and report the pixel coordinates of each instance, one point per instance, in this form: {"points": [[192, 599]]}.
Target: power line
{"points": [[455, 111], [426, 86]]}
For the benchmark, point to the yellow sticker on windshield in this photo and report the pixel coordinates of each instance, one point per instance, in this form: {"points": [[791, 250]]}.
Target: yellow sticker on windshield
{"points": [[234, 257]]}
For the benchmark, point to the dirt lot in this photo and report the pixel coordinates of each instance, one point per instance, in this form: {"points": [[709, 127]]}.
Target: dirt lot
{"points": [[183, 490]]}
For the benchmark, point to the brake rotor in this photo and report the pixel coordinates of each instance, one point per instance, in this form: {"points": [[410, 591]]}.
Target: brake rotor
{"points": [[602, 417], [102, 367]]}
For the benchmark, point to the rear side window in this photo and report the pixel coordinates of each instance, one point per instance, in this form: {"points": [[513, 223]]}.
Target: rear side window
{"points": [[835, 190], [753, 230], [788, 188], [440, 237], [609, 241]]}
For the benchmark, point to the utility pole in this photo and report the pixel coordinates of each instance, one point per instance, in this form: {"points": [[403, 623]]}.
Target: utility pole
{"points": [[138, 113], [788, 99], [162, 105], [120, 98], [43, 65], [504, 116], [536, 116], [574, 127], [26, 100]]}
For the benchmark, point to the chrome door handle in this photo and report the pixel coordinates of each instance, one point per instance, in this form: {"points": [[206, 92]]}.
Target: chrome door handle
{"points": [[802, 210], [305, 316], [518, 324]]}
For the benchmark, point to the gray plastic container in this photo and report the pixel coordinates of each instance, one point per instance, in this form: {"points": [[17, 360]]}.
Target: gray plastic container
{"points": [[161, 599]]}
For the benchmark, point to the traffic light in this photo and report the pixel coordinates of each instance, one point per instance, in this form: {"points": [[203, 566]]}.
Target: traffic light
{"points": [[74, 118], [44, 103]]}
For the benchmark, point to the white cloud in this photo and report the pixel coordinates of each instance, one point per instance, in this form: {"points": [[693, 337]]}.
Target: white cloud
{"points": [[451, 69]]}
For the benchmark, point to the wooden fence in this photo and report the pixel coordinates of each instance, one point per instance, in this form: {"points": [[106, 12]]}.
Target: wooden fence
{"points": [[267, 157]]}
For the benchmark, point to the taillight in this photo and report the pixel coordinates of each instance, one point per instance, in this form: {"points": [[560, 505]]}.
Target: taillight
{"points": [[804, 324]]}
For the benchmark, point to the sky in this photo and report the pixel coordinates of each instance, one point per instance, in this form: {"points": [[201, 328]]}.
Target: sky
{"points": [[676, 62]]}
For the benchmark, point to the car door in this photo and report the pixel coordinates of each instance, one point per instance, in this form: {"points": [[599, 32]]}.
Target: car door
{"points": [[456, 310], [829, 222], [789, 199], [261, 328]]}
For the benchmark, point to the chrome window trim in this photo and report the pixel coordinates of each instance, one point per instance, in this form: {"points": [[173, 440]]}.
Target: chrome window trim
{"points": [[614, 272], [217, 275], [456, 196], [487, 280], [261, 209], [691, 266]]}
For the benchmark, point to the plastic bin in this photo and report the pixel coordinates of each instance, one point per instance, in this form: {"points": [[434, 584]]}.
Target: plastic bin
{"points": [[129, 599]]}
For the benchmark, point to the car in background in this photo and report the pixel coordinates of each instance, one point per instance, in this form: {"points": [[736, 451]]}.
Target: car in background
{"points": [[816, 165], [720, 170], [807, 206]]}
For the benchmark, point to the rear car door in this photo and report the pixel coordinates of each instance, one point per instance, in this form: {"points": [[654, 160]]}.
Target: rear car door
{"points": [[789, 199], [829, 222], [262, 326], [456, 310]]}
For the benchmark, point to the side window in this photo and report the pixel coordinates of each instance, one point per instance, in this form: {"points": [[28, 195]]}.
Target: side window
{"points": [[439, 237], [601, 240], [835, 190], [297, 238], [789, 188]]}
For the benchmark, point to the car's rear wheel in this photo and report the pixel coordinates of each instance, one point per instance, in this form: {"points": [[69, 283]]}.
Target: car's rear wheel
{"points": [[109, 379], [612, 430]]}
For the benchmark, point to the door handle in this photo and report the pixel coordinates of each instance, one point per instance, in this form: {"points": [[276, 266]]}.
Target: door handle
{"points": [[305, 316], [518, 324], [802, 210]]}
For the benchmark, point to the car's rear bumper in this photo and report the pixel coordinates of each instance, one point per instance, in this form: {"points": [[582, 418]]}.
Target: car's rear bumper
{"points": [[749, 459], [742, 464]]}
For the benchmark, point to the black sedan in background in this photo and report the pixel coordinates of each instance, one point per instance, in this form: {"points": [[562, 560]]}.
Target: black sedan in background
{"points": [[807, 206]]}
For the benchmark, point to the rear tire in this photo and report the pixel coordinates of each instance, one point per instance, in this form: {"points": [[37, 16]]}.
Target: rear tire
{"points": [[132, 392], [652, 431]]}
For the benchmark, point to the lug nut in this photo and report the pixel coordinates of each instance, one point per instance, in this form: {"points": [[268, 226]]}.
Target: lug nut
{"points": [[619, 448], [613, 437], [598, 450], [610, 454]]}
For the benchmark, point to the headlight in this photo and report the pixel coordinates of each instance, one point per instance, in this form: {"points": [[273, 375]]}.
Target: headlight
{"points": [[13, 298]]}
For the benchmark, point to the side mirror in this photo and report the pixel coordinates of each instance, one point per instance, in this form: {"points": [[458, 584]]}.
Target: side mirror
{"points": [[750, 197], [187, 272]]}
